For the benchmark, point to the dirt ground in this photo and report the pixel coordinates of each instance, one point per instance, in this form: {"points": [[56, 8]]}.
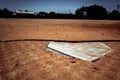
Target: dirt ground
{"points": [[28, 60], [53, 29]]}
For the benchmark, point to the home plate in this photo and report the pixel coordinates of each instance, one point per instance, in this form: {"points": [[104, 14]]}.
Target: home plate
{"points": [[89, 51]]}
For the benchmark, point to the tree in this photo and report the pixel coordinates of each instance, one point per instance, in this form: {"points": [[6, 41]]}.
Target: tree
{"points": [[0, 13], [11, 14], [93, 12], [52, 14], [5, 13], [43, 14], [79, 13], [114, 15]]}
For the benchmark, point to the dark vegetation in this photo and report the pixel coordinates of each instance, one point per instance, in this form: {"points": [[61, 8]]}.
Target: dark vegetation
{"points": [[87, 12]]}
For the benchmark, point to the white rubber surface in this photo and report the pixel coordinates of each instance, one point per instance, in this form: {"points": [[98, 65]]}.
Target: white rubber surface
{"points": [[89, 51]]}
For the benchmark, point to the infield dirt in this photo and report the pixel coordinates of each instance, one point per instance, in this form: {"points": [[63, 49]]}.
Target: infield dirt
{"points": [[28, 60]]}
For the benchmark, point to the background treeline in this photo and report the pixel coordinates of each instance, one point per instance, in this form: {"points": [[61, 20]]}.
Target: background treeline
{"points": [[85, 12]]}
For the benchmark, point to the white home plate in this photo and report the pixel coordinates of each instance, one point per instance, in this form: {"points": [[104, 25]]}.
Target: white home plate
{"points": [[89, 51]]}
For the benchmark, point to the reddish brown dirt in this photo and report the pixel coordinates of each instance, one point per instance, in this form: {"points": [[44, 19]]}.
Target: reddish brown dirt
{"points": [[73, 30], [28, 60]]}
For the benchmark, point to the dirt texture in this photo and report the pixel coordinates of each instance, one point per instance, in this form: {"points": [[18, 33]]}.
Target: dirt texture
{"points": [[29, 60], [53, 29]]}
